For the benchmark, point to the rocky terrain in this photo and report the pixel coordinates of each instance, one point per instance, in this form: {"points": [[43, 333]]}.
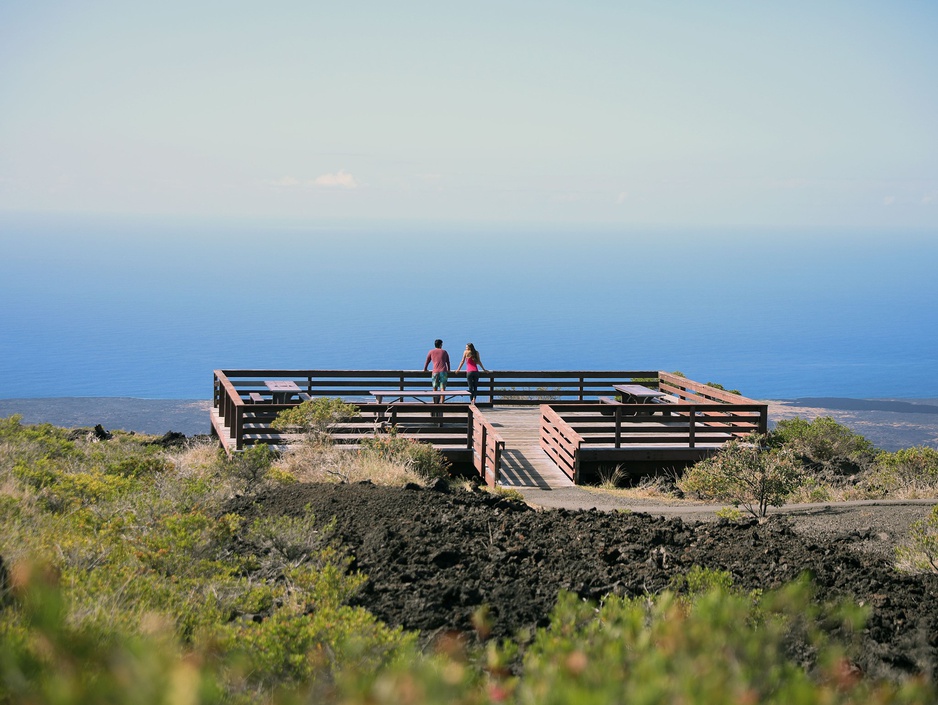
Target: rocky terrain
{"points": [[435, 556]]}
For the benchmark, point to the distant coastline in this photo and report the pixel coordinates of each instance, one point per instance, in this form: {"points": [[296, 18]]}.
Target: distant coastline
{"points": [[151, 416], [889, 423]]}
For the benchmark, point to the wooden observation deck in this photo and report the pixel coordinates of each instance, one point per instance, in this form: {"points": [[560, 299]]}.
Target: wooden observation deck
{"points": [[526, 428]]}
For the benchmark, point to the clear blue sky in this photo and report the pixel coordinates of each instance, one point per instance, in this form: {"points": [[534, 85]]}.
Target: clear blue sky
{"points": [[632, 113]]}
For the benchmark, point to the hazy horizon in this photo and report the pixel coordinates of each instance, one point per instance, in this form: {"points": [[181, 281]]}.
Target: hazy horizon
{"points": [[678, 114]]}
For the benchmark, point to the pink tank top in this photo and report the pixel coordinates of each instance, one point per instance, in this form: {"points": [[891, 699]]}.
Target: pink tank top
{"points": [[471, 366]]}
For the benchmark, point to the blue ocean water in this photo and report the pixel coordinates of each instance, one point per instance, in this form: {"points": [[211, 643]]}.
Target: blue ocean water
{"points": [[148, 307]]}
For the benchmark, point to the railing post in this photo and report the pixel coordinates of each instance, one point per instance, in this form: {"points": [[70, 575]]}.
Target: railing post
{"points": [[692, 428], [618, 426], [470, 428], [581, 390], [483, 452], [492, 389], [237, 428]]}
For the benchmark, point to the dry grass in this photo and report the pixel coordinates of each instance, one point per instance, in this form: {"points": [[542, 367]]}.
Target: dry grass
{"points": [[651, 487], [330, 463]]}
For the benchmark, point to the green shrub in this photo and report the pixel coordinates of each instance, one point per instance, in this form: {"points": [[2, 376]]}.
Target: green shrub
{"points": [[921, 553], [46, 659], [910, 471], [717, 385], [700, 580], [137, 466], [823, 444], [744, 473], [716, 647], [36, 441], [729, 513], [252, 465], [67, 488], [315, 417]]}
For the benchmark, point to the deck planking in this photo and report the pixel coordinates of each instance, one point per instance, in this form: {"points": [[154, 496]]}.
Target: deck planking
{"points": [[524, 462]]}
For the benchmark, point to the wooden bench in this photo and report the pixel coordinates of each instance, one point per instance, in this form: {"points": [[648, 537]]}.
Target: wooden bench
{"points": [[256, 397]]}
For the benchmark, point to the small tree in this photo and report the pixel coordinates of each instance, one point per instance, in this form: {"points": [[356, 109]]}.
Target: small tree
{"points": [[745, 473], [315, 417]]}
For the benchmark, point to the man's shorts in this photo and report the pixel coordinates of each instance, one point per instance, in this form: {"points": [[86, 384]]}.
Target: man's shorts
{"points": [[439, 379]]}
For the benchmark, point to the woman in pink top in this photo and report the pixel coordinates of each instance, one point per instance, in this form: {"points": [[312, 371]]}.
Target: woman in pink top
{"points": [[473, 362]]}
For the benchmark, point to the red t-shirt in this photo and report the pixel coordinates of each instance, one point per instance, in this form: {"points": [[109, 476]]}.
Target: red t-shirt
{"points": [[440, 359]]}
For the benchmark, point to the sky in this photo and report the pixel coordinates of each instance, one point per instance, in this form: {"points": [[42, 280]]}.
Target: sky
{"points": [[626, 113]]}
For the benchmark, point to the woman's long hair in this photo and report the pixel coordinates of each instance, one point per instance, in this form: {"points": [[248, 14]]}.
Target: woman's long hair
{"points": [[473, 354]]}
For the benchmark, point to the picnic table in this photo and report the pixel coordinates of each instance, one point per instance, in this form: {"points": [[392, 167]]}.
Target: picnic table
{"points": [[638, 394], [421, 395], [282, 390]]}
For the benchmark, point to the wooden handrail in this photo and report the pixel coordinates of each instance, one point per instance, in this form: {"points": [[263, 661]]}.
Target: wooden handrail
{"points": [[561, 442], [487, 459], [703, 408]]}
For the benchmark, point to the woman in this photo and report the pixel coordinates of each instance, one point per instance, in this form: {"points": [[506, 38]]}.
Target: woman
{"points": [[473, 362]]}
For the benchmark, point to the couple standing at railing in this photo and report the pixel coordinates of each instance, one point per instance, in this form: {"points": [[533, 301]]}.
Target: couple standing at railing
{"points": [[439, 358]]}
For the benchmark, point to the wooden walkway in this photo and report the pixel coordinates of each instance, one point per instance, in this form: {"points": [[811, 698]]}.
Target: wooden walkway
{"points": [[524, 463]]}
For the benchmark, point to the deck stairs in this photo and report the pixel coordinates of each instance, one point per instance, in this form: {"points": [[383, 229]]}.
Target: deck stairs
{"points": [[524, 463]]}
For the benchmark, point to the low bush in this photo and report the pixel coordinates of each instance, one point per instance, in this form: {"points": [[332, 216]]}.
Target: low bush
{"points": [[824, 446], [920, 553], [149, 588], [713, 645], [906, 473]]}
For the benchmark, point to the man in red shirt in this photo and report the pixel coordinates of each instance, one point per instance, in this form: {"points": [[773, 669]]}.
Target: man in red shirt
{"points": [[440, 359]]}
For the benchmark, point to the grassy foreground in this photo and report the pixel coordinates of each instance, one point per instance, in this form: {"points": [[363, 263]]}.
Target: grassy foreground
{"points": [[123, 580]]}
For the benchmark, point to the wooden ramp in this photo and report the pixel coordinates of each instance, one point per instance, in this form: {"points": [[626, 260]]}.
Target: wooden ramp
{"points": [[524, 464]]}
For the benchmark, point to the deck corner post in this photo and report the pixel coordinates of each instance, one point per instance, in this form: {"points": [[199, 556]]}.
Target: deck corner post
{"points": [[237, 428], [618, 412]]}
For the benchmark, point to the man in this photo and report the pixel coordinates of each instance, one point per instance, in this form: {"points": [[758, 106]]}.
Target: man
{"points": [[440, 359]]}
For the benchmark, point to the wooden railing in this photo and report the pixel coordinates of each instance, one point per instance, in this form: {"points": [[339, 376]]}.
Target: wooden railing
{"points": [[561, 442], [495, 387], [487, 446], [573, 434], [574, 425], [683, 424]]}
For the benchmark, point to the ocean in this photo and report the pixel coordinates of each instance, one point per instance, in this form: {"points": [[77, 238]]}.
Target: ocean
{"points": [[118, 306]]}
